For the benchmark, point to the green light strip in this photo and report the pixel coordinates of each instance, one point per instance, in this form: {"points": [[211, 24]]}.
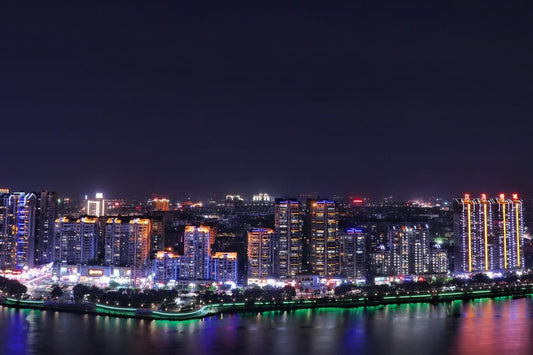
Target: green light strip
{"points": [[120, 309]]}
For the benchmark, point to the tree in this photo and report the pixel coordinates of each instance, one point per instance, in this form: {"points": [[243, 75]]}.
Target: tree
{"points": [[480, 278], [343, 288], [12, 287], [56, 292], [289, 291], [79, 291]]}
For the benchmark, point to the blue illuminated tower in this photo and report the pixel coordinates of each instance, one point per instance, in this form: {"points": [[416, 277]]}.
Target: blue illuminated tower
{"points": [[17, 230]]}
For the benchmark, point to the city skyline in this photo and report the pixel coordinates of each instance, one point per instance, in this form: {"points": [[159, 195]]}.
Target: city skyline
{"points": [[262, 177], [396, 99]]}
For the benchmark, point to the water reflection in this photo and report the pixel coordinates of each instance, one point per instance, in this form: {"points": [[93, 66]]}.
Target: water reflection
{"points": [[495, 326], [481, 326]]}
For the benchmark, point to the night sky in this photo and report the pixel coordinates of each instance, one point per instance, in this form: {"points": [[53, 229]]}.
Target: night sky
{"points": [[178, 99]]}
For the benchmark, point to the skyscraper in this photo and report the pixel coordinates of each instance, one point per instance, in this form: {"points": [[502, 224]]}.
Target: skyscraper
{"points": [[126, 242], [76, 240], [260, 248], [196, 259], [409, 249], [45, 221], [288, 238], [17, 230], [321, 229], [354, 254], [488, 234]]}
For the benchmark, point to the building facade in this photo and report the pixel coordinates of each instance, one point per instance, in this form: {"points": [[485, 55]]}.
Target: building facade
{"points": [[126, 242], [76, 240], [260, 249], [45, 223], [288, 229], [17, 230], [166, 267], [354, 255], [225, 266], [488, 234], [196, 259], [409, 249], [321, 229]]}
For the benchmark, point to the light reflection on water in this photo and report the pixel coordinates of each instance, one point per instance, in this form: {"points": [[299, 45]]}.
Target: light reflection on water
{"points": [[488, 326]]}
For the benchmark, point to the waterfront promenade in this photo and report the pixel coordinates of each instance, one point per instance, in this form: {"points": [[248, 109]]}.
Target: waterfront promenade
{"points": [[264, 306]]}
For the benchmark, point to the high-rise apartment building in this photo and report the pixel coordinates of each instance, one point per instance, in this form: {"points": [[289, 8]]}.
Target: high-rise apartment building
{"points": [[46, 216], [166, 266], [322, 235], [196, 259], [161, 204], [224, 266], [488, 234], [354, 255], [17, 230], [76, 240], [409, 249], [439, 260], [126, 242], [260, 249], [288, 229], [157, 234]]}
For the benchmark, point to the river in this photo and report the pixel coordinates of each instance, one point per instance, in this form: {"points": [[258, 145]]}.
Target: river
{"points": [[482, 326]]}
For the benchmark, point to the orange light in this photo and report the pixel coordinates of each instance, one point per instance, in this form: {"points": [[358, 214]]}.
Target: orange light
{"points": [[517, 219], [484, 197], [504, 234], [486, 234], [228, 255], [469, 238], [515, 196], [467, 197], [502, 197]]}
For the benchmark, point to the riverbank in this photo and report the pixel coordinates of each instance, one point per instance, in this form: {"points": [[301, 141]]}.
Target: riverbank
{"points": [[264, 306]]}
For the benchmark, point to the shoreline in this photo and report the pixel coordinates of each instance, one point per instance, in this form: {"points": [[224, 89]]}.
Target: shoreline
{"points": [[263, 306]]}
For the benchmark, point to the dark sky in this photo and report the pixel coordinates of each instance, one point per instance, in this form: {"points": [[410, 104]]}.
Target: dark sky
{"points": [[171, 98]]}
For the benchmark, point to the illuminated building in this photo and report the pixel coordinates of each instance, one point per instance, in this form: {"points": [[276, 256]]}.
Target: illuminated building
{"points": [[157, 234], [166, 267], [354, 254], [161, 204], [380, 261], [195, 262], [17, 230], [260, 248], [44, 233], [321, 229], [409, 249], [439, 260], [126, 242], [288, 238], [224, 266], [96, 207], [262, 197], [488, 234], [234, 198], [76, 240]]}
